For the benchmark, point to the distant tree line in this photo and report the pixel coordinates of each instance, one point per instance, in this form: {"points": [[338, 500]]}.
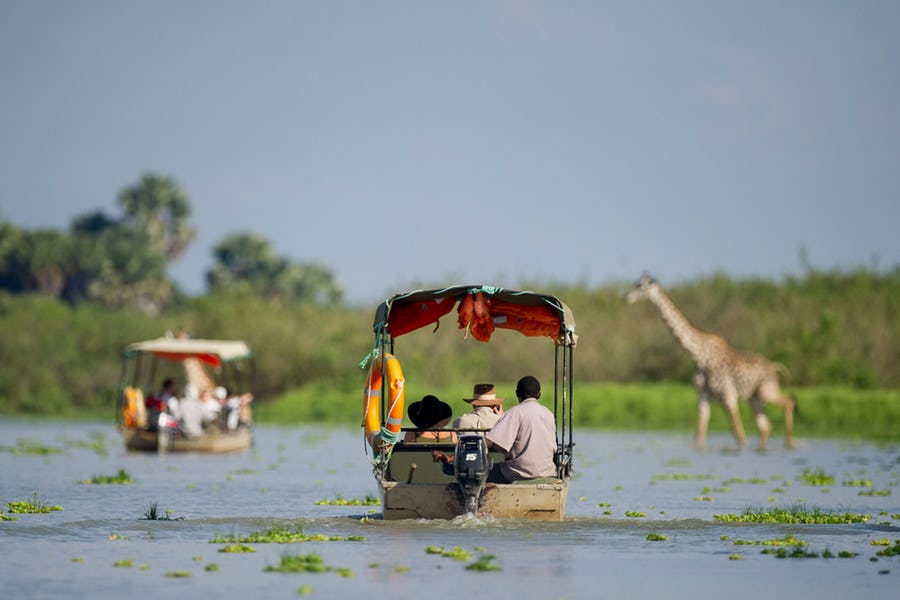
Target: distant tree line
{"points": [[120, 261], [71, 301]]}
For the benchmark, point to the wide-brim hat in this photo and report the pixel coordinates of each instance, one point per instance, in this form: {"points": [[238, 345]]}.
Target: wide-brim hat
{"points": [[484, 395], [428, 412]]}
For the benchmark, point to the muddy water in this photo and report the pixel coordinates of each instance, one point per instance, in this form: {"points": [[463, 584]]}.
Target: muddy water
{"points": [[627, 486]]}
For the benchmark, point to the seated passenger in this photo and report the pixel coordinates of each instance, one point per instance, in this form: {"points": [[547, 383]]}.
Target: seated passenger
{"points": [[430, 413], [191, 410], [488, 409], [212, 408], [159, 404], [237, 409]]}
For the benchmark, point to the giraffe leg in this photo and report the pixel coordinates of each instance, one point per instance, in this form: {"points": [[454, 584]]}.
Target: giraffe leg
{"points": [[770, 393], [730, 402], [702, 420], [762, 421]]}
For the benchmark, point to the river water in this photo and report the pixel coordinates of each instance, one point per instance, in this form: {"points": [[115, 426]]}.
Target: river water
{"points": [[627, 487]]}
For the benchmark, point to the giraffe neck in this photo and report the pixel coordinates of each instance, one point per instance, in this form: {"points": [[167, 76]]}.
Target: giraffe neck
{"points": [[690, 338], [197, 375]]}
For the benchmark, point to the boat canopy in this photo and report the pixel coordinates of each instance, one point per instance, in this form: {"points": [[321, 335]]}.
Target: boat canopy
{"points": [[480, 310], [212, 352]]}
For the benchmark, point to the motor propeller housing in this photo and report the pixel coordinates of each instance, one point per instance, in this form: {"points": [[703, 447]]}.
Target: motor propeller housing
{"points": [[472, 464]]}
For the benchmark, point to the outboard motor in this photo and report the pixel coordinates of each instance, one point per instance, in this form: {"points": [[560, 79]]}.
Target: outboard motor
{"points": [[472, 465]]}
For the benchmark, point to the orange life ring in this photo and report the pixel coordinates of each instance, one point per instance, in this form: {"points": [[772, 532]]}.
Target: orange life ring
{"points": [[378, 435], [133, 411]]}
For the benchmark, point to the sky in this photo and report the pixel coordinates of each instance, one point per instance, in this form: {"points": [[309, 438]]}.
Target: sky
{"points": [[427, 143]]}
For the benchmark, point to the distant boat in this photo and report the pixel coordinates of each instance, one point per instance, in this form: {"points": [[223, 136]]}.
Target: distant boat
{"points": [[207, 365]]}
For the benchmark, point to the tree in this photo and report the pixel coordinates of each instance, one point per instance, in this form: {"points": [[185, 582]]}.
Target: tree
{"points": [[246, 263], [159, 206]]}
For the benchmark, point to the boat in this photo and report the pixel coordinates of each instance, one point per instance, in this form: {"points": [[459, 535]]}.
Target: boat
{"points": [[411, 484], [206, 364]]}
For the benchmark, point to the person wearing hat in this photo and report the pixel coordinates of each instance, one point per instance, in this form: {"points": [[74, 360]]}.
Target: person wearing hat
{"points": [[487, 408], [526, 434], [427, 414]]}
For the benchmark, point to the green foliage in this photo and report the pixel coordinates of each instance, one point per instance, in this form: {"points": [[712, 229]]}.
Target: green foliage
{"points": [[281, 535], [796, 514], [838, 333], [247, 264], [33, 506], [120, 478]]}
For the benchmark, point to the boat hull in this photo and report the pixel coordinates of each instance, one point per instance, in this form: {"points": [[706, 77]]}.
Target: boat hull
{"points": [[538, 500], [215, 442]]}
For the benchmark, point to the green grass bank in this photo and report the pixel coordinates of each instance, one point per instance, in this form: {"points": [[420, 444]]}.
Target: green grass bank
{"points": [[824, 411]]}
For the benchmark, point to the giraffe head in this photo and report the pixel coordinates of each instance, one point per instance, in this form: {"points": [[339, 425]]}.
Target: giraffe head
{"points": [[645, 288]]}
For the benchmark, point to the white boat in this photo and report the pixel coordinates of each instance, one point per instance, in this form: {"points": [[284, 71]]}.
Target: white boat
{"points": [[204, 363]]}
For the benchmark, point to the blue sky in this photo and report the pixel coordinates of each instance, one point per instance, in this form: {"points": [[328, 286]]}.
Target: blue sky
{"points": [[400, 143]]}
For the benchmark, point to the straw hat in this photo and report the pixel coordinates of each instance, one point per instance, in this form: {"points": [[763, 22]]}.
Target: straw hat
{"points": [[484, 395]]}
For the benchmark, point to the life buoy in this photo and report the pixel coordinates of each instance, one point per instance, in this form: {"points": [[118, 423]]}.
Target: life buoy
{"points": [[377, 434], [134, 413]]}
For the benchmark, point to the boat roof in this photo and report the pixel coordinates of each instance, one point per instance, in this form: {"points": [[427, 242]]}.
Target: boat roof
{"points": [[530, 313], [213, 352]]}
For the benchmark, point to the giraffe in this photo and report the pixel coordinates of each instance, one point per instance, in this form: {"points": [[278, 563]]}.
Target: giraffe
{"points": [[197, 375], [723, 373]]}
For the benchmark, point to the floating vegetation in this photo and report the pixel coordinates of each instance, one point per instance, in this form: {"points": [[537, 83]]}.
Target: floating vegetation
{"points": [[881, 542], [735, 556], [211, 567], [32, 506], [890, 550], [485, 562], [858, 483], [117, 536], [97, 443], [125, 563], [77, 559], [237, 549], [703, 499], [145, 567], [456, 553], [28, 447], [153, 514], [305, 590], [305, 563], [178, 574], [657, 537], [796, 552], [797, 514], [121, 478], [817, 477], [752, 480], [719, 490], [280, 535], [678, 462], [369, 500], [785, 541], [635, 514], [681, 477], [5, 517], [874, 493]]}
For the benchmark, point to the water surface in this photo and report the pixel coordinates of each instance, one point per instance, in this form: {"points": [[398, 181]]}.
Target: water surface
{"points": [[599, 551]]}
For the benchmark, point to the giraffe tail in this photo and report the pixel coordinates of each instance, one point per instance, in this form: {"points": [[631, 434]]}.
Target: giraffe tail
{"points": [[780, 368]]}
